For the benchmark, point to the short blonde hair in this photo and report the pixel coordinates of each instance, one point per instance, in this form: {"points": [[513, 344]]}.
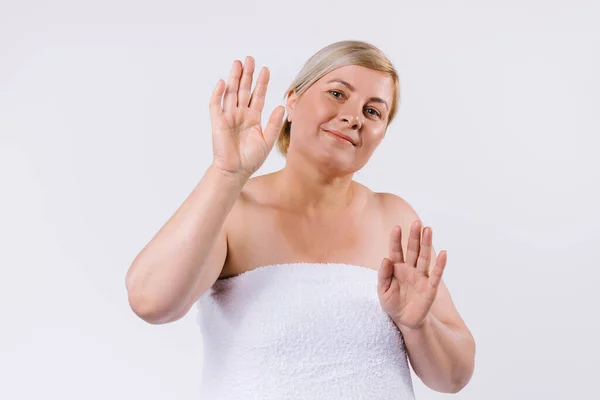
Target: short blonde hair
{"points": [[334, 56]]}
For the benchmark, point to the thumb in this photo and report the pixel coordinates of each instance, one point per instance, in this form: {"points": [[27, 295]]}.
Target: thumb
{"points": [[274, 125], [384, 275]]}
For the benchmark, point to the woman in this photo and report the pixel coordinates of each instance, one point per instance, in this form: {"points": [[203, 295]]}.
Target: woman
{"points": [[308, 284]]}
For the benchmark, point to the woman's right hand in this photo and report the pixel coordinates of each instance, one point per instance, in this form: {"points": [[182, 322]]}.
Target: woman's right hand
{"points": [[240, 145]]}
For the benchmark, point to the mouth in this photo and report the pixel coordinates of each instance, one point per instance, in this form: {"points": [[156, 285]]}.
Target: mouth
{"points": [[341, 136]]}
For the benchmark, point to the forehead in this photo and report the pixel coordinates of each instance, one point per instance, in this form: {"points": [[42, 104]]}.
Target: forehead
{"points": [[365, 80]]}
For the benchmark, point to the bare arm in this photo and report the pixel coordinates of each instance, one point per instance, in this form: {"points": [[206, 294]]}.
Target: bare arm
{"points": [[442, 350], [187, 254], [442, 355]]}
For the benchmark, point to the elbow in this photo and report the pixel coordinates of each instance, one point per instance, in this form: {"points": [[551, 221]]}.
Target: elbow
{"points": [[466, 374], [149, 311], [457, 387], [143, 306], [450, 387]]}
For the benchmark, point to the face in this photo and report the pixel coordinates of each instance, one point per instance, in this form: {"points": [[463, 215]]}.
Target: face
{"points": [[351, 101]]}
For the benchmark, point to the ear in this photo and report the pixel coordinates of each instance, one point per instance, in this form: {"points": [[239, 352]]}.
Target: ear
{"points": [[291, 103]]}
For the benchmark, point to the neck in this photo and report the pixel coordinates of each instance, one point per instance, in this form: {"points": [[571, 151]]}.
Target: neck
{"points": [[305, 187]]}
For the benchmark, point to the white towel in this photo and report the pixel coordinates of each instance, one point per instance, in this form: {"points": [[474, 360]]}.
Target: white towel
{"points": [[301, 331]]}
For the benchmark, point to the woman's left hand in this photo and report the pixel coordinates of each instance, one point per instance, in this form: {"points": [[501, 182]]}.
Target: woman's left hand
{"points": [[405, 288]]}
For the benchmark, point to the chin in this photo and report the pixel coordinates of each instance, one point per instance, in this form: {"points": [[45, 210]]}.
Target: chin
{"points": [[334, 158]]}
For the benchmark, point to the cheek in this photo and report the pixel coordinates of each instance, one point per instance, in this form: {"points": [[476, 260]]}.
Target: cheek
{"points": [[371, 141], [378, 132], [374, 137], [322, 111]]}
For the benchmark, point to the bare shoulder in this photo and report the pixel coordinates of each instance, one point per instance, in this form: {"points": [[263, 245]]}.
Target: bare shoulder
{"points": [[246, 206], [399, 212], [396, 211], [396, 208], [253, 194], [257, 190]]}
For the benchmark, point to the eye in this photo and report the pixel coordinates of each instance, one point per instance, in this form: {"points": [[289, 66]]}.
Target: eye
{"points": [[335, 91], [376, 114]]}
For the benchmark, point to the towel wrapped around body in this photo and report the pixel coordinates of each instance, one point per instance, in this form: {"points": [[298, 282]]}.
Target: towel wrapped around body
{"points": [[301, 331]]}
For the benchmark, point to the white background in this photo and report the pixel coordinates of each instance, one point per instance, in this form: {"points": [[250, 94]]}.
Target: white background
{"points": [[104, 131]]}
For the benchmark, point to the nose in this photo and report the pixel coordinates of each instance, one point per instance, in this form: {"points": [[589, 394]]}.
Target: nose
{"points": [[352, 117]]}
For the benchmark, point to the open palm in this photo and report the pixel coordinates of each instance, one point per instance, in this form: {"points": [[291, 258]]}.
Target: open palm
{"points": [[405, 288], [240, 145]]}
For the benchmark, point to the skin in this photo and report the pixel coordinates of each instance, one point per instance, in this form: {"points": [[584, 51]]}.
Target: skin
{"points": [[313, 211], [310, 211], [319, 212], [316, 160]]}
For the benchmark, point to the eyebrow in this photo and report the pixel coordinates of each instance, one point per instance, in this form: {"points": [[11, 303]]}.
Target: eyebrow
{"points": [[352, 89]]}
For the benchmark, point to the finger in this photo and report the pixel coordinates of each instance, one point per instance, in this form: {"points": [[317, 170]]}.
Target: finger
{"points": [[384, 275], [425, 252], [215, 100], [233, 84], [257, 101], [274, 125], [396, 254], [438, 269], [414, 242], [246, 82]]}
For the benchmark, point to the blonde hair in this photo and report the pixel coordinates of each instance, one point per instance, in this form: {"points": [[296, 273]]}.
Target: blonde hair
{"points": [[334, 56]]}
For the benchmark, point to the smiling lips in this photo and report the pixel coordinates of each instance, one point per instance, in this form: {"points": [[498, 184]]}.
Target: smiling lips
{"points": [[341, 135]]}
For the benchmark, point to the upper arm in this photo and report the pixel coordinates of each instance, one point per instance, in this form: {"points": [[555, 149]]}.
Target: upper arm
{"points": [[211, 269], [443, 307]]}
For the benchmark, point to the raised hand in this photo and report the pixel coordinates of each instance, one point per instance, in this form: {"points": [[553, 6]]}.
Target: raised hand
{"points": [[240, 145], [405, 288]]}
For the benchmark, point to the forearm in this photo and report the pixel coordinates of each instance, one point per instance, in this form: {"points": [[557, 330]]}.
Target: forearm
{"points": [[443, 356], [169, 267]]}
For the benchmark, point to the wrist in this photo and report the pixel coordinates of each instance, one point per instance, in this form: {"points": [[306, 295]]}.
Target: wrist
{"points": [[230, 178], [416, 328]]}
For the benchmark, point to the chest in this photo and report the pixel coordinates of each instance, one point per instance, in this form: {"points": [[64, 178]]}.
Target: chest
{"points": [[266, 237]]}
